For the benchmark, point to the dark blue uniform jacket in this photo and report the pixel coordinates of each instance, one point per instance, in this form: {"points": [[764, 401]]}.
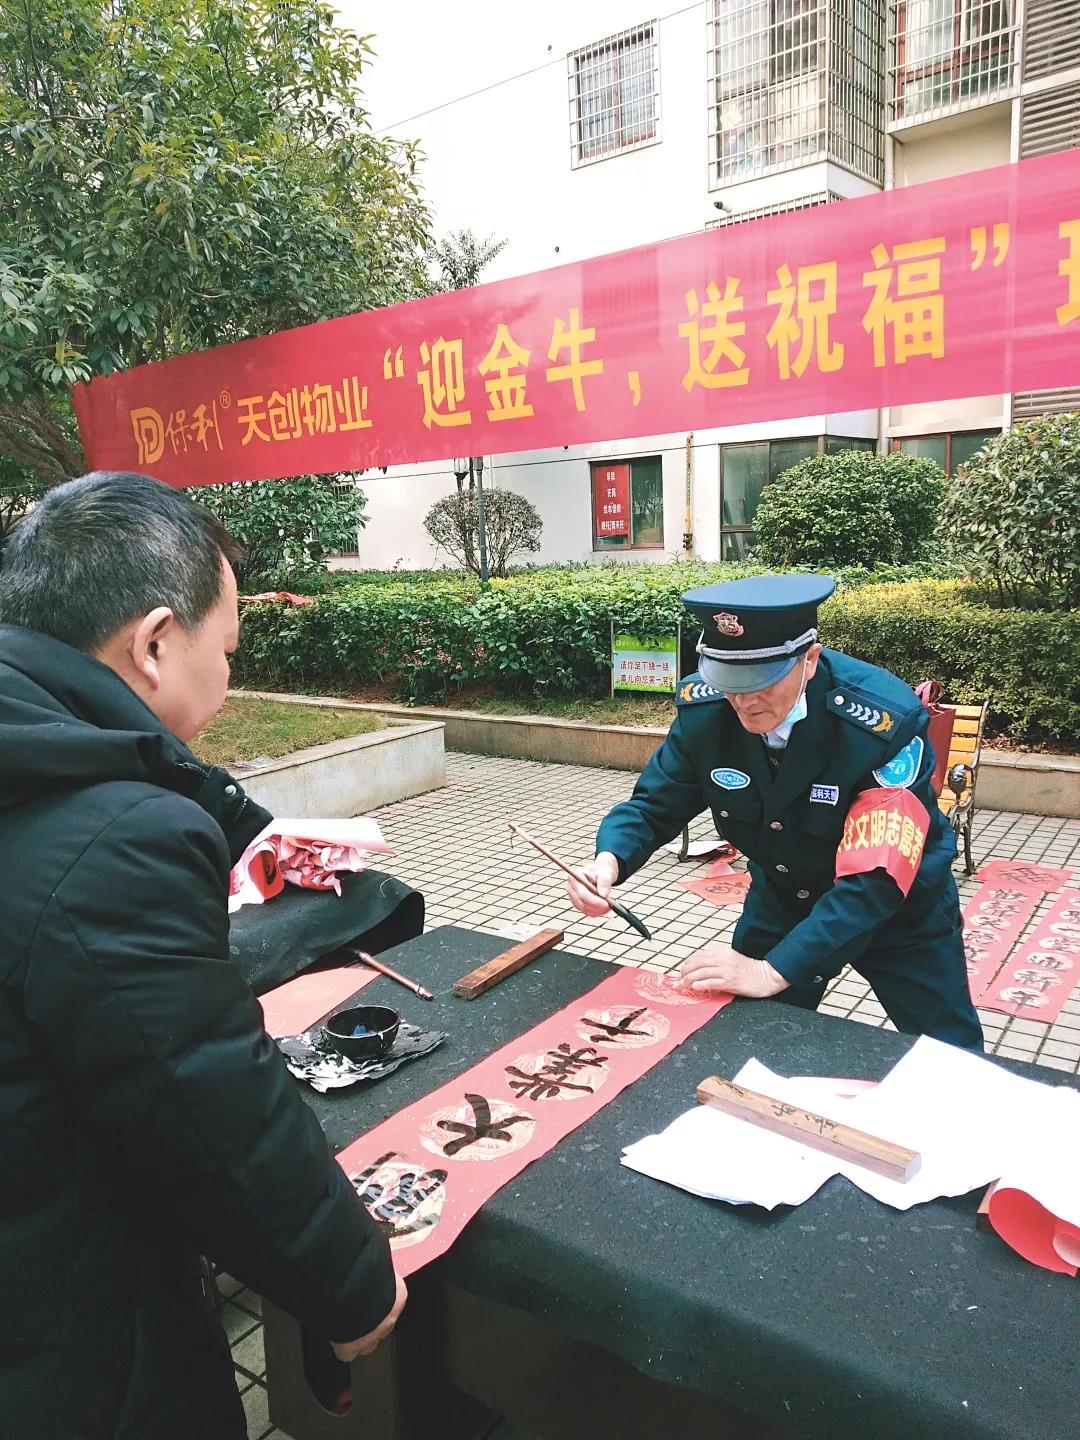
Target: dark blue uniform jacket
{"points": [[864, 728]]}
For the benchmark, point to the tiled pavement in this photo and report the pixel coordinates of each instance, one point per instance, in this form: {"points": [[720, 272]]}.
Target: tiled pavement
{"points": [[453, 845]]}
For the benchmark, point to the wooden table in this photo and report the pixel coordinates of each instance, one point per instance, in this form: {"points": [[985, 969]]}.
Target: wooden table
{"points": [[586, 1300]]}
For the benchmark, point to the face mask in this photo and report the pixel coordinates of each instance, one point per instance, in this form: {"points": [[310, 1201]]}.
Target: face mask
{"points": [[799, 710]]}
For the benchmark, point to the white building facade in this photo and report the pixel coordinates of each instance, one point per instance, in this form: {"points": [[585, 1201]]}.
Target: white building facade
{"points": [[592, 127]]}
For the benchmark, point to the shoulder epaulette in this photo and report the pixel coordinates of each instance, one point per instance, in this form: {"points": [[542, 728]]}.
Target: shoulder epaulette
{"points": [[866, 711], [695, 691]]}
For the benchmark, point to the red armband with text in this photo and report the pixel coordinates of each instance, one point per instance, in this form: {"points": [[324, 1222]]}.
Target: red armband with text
{"points": [[884, 830]]}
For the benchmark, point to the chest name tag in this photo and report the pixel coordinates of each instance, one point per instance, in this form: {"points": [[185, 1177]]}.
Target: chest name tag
{"points": [[730, 779], [824, 794]]}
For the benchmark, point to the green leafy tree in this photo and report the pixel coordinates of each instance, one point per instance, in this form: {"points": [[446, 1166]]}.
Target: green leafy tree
{"points": [[288, 527], [512, 525], [852, 508], [178, 174], [1012, 514], [19, 488], [456, 261]]}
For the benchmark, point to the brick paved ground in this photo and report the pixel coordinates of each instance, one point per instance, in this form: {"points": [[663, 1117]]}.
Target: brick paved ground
{"points": [[453, 844]]}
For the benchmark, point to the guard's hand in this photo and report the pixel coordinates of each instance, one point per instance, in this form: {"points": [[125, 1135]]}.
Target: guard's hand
{"points": [[717, 969], [347, 1351], [603, 871]]}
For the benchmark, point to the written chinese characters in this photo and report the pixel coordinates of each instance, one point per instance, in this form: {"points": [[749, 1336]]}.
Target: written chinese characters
{"points": [[564, 1073], [405, 1200], [442, 381], [635, 345], [611, 500], [573, 337], [291, 414], [183, 433], [623, 1026], [805, 307], [478, 1128], [1069, 270], [906, 316], [645, 662], [506, 363], [716, 324], [884, 829], [306, 410], [426, 1170], [889, 828]]}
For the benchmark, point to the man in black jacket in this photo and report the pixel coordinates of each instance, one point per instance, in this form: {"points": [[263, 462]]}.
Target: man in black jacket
{"points": [[145, 1118]]}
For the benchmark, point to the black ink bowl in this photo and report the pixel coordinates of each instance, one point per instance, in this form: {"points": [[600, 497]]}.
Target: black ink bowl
{"points": [[379, 1019]]}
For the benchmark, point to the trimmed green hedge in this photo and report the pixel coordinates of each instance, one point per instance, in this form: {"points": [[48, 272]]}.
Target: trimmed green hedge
{"points": [[547, 631], [1026, 662]]}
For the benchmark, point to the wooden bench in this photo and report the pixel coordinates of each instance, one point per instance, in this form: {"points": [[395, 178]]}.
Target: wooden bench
{"points": [[957, 797]]}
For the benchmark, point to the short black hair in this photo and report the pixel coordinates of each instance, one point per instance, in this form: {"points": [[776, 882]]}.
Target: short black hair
{"points": [[99, 551]]}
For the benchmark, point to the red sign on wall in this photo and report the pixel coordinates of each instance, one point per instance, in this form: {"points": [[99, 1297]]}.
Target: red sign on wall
{"points": [[611, 501], [966, 286]]}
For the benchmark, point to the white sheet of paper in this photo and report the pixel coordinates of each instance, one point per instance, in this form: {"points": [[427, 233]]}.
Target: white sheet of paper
{"points": [[971, 1122], [715, 1155], [960, 1111], [358, 830], [723, 1158], [1045, 1162], [697, 849]]}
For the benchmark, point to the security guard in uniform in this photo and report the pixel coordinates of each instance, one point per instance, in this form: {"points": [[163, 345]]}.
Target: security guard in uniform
{"points": [[818, 768]]}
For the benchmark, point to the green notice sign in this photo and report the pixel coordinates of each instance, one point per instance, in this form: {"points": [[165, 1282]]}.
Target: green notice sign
{"points": [[645, 662]]}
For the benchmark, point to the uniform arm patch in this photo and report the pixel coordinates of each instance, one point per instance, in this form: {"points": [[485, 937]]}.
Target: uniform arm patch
{"points": [[884, 830], [902, 770]]}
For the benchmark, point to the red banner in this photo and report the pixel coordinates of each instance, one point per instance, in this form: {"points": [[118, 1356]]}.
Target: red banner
{"points": [[966, 286], [611, 500], [426, 1171]]}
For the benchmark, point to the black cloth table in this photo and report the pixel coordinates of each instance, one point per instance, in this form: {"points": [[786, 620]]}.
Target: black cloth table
{"points": [[272, 942], [838, 1318]]}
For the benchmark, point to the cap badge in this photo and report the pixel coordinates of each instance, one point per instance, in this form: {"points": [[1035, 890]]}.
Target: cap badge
{"points": [[727, 624]]}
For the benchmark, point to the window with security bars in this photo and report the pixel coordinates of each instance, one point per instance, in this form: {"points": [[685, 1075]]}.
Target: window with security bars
{"points": [[949, 55], [350, 552], [615, 94], [792, 81]]}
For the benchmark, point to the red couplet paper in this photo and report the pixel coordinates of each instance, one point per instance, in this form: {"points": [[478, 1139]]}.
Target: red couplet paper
{"points": [[295, 1006], [722, 889], [965, 286], [994, 919], [1023, 874], [426, 1171], [719, 868], [611, 500], [1034, 1232], [1043, 968]]}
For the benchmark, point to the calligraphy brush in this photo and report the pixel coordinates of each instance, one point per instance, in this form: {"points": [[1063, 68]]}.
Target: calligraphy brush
{"points": [[413, 985], [582, 879]]}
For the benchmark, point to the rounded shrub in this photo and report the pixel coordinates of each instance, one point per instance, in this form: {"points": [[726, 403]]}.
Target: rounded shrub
{"points": [[1013, 514], [852, 508]]}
